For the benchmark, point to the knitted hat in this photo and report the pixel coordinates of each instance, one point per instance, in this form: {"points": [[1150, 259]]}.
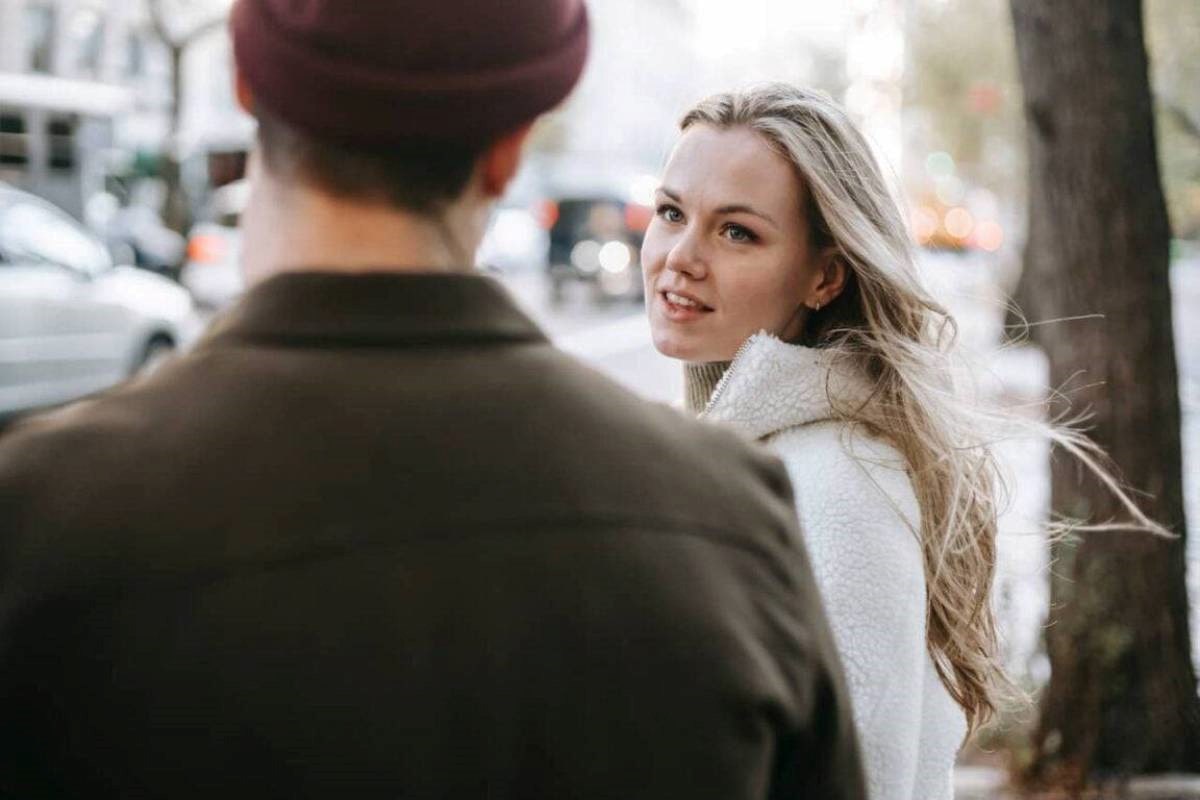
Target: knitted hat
{"points": [[376, 72]]}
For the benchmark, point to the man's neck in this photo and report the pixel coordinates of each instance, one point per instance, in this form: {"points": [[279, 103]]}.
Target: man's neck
{"points": [[296, 229]]}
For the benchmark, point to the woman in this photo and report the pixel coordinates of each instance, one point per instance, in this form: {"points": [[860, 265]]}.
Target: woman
{"points": [[777, 247]]}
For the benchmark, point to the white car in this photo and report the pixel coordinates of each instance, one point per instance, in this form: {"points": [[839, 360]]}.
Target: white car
{"points": [[72, 323], [515, 241]]}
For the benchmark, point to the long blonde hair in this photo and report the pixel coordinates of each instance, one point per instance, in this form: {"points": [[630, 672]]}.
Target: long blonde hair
{"points": [[886, 324]]}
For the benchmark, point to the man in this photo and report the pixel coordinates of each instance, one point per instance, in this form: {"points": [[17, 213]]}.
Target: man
{"points": [[374, 536]]}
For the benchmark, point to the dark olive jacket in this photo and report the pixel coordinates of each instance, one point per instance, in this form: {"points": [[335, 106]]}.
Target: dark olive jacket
{"points": [[375, 537]]}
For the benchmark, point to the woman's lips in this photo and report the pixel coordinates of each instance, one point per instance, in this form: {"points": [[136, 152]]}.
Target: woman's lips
{"points": [[681, 309]]}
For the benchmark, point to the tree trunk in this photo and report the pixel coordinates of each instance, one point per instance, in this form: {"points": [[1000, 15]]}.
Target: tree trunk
{"points": [[176, 211], [1122, 695], [176, 214], [1025, 310]]}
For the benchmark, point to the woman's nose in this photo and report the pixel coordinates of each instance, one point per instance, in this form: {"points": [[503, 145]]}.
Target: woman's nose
{"points": [[686, 259]]}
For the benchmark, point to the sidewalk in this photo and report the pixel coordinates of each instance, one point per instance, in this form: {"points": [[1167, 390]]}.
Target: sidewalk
{"points": [[987, 783]]}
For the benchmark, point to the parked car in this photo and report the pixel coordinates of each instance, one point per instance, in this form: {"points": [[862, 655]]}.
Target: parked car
{"points": [[212, 272], [596, 240], [150, 244], [71, 322], [515, 241]]}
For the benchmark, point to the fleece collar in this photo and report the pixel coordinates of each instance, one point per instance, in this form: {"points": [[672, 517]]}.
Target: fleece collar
{"points": [[772, 386]]}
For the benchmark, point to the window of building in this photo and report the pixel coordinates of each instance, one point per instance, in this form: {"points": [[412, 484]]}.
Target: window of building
{"points": [[14, 140], [60, 134], [86, 33], [40, 19], [135, 55]]}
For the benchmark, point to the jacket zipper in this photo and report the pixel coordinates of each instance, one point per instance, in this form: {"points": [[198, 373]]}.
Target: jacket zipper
{"points": [[721, 384]]}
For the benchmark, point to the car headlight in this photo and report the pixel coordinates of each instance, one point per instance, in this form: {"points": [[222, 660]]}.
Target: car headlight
{"points": [[586, 255], [614, 257]]}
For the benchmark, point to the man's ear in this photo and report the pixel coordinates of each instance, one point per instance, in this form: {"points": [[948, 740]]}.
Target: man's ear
{"points": [[241, 90], [500, 162]]}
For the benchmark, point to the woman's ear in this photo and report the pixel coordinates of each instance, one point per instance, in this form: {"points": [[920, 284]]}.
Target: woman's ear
{"points": [[831, 270]]}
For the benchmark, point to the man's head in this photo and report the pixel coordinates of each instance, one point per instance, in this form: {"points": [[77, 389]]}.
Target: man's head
{"points": [[409, 106], [415, 176]]}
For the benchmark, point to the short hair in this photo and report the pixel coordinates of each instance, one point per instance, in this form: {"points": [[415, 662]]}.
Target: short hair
{"points": [[419, 176]]}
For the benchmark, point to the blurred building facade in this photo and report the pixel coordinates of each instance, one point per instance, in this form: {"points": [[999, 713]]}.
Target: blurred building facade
{"points": [[86, 92], [63, 82], [874, 62], [620, 120], [651, 60]]}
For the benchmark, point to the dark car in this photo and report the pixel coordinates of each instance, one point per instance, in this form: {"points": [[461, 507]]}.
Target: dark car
{"points": [[596, 241]]}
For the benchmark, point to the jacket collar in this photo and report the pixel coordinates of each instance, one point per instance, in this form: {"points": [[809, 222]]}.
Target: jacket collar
{"points": [[772, 386], [330, 309]]}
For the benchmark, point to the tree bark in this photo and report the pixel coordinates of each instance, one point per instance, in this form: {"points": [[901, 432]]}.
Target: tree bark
{"points": [[176, 210], [1122, 694], [176, 213]]}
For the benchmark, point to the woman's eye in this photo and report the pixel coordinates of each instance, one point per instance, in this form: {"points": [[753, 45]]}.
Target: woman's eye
{"points": [[737, 233], [670, 213]]}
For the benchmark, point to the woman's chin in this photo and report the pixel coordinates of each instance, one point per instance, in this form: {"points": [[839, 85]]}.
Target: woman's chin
{"points": [[680, 348], [667, 345]]}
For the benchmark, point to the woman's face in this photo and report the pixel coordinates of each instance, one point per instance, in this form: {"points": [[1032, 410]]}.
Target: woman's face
{"points": [[727, 253]]}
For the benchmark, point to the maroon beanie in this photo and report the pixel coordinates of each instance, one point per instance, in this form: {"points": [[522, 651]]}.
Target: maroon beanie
{"points": [[376, 72]]}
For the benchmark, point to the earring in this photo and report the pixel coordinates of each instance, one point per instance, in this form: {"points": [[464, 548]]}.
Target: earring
{"points": [[817, 306]]}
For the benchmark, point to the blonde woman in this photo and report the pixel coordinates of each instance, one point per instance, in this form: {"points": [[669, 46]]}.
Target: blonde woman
{"points": [[780, 270]]}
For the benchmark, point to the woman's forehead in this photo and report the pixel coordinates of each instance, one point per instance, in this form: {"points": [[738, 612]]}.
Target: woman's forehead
{"points": [[729, 166]]}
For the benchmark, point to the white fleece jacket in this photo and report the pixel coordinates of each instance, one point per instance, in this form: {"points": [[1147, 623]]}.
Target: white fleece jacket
{"points": [[859, 517]]}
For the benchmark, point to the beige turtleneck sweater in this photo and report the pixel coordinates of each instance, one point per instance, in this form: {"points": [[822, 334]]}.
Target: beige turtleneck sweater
{"points": [[699, 382]]}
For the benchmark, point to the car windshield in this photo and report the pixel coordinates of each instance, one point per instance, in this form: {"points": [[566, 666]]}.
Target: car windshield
{"points": [[593, 217]]}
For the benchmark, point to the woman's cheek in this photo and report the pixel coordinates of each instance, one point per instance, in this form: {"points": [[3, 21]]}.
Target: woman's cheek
{"points": [[752, 308], [655, 242], [651, 253]]}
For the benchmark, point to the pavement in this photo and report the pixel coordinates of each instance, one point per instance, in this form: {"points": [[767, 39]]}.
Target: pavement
{"points": [[986, 783]]}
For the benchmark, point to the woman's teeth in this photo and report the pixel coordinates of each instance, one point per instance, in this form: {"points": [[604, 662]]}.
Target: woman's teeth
{"points": [[680, 300]]}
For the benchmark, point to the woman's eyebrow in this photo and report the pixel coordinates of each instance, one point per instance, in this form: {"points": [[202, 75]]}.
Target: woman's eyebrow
{"points": [[735, 208], [745, 209]]}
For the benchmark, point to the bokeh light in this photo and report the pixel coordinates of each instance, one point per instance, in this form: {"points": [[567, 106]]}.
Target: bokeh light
{"points": [[989, 235], [939, 164], [959, 223]]}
